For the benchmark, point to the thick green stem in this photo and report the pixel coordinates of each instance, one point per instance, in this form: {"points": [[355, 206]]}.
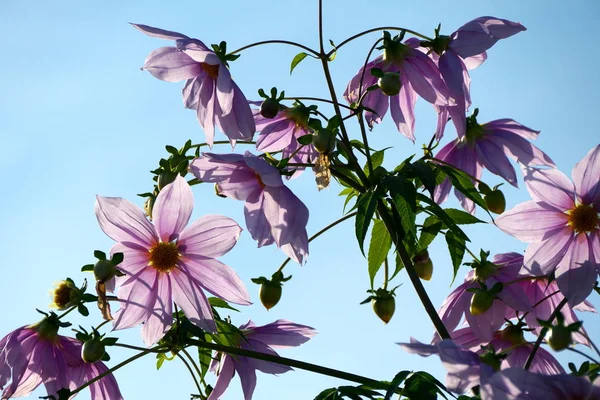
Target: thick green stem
{"points": [[543, 333], [187, 365], [292, 363], [412, 274]]}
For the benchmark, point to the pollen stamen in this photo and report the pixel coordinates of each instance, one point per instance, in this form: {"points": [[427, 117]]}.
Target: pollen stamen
{"points": [[164, 256], [62, 295], [211, 69], [584, 218]]}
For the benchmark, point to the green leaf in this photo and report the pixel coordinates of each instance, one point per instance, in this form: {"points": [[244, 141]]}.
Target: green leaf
{"points": [[346, 191], [83, 310], [404, 194], [109, 341], [456, 247], [117, 258], [205, 358], [296, 60], [327, 394], [87, 268], [417, 387], [160, 359], [398, 379], [425, 173], [350, 197], [376, 160], [399, 266], [461, 217], [100, 255], [366, 205], [220, 303], [305, 139], [381, 243], [172, 150], [434, 209], [431, 227], [461, 181]]}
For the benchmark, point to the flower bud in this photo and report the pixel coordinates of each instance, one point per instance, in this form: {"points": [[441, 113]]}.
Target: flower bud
{"points": [[481, 302], [560, 337], [269, 108], [390, 83], [423, 265], [104, 270], [384, 307], [92, 350], [65, 294], [270, 294], [484, 270], [165, 178], [495, 201], [513, 334], [324, 141]]}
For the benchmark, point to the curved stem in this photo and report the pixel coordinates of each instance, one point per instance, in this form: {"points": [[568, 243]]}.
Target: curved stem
{"points": [[220, 142], [386, 273], [157, 349], [349, 181], [591, 342], [364, 70], [317, 99], [412, 274], [187, 365], [288, 42], [543, 332], [363, 132], [292, 363], [320, 14], [316, 235], [111, 370], [66, 312], [191, 359], [102, 324], [381, 28], [581, 353]]}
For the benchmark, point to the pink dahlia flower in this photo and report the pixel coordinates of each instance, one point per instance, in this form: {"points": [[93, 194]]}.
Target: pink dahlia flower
{"points": [[490, 146], [208, 89], [562, 223], [273, 213], [280, 334], [164, 261]]}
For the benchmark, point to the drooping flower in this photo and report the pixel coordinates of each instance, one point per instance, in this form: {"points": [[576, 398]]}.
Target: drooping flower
{"points": [[282, 132], [489, 146], [504, 269], [465, 368], [562, 225], [280, 334], [511, 342], [418, 75], [463, 50], [209, 88], [518, 384], [273, 213], [36, 354], [164, 261], [547, 296]]}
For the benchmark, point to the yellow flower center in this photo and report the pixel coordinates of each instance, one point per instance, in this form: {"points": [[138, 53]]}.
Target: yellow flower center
{"points": [[260, 182], [164, 256], [583, 218], [211, 69], [62, 295]]}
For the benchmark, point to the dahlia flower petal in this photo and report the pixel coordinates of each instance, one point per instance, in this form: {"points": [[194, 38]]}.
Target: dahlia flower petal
{"points": [[480, 34], [264, 366], [191, 91], [416, 347], [402, 108], [53, 367], [586, 175], [137, 297], [541, 258], [224, 89], [209, 236], [510, 126], [493, 158], [514, 297], [269, 175], [171, 65], [229, 171], [159, 33], [160, 318], [519, 149], [475, 61], [134, 258], [282, 334], [442, 121], [205, 109], [122, 221], [224, 378], [550, 186], [426, 79], [188, 295], [239, 123], [256, 221], [455, 305], [106, 388], [297, 248], [276, 136], [542, 222], [173, 208], [262, 122], [217, 278], [575, 273], [451, 68], [516, 384], [247, 377], [485, 325]]}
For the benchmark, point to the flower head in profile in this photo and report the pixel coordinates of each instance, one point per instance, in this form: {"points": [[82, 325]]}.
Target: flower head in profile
{"points": [[463, 50], [418, 76], [36, 354], [208, 89], [489, 146], [484, 323], [562, 225], [282, 132], [280, 334], [165, 261], [273, 213]]}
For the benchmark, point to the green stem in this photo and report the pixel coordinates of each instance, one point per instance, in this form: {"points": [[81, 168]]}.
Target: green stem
{"points": [[113, 369], [292, 363], [191, 359], [288, 42], [316, 235], [363, 132], [364, 71], [386, 273], [591, 342], [543, 333], [102, 324], [220, 142], [412, 274], [66, 312], [317, 99], [187, 365], [581, 353], [381, 28], [349, 181]]}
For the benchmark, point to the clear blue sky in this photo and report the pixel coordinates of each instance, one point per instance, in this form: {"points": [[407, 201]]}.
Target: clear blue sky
{"points": [[78, 118]]}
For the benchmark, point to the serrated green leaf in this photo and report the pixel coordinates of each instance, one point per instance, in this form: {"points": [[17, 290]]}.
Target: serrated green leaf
{"points": [[431, 227], [346, 191], [418, 388], [220, 303], [456, 247], [296, 60], [404, 194], [434, 209], [205, 358], [399, 266], [305, 139], [366, 205], [380, 246], [463, 183], [376, 160], [398, 379], [461, 217], [327, 394]]}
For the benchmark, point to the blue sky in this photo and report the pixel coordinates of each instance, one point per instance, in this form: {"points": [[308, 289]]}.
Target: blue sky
{"points": [[78, 118]]}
